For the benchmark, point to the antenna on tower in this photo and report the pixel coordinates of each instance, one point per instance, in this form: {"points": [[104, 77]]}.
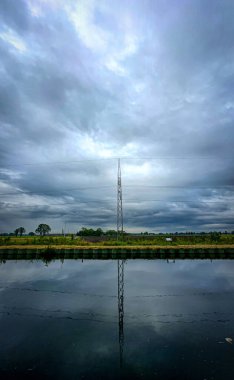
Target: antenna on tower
{"points": [[119, 204]]}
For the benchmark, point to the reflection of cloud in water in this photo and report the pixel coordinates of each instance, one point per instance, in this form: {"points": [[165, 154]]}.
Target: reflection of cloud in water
{"points": [[199, 287], [36, 270], [171, 311]]}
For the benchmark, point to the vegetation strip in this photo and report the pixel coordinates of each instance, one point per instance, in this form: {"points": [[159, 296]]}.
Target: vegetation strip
{"points": [[49, 253], [122, 247]]}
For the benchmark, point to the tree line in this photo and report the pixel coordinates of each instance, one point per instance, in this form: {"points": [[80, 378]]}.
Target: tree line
{"points": [[42, 230], [92, 232]]}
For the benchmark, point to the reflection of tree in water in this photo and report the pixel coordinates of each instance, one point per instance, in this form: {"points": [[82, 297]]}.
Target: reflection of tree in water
{"points": [[48, 255]]}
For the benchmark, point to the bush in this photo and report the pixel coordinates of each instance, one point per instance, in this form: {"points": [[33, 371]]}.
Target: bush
{"points": [[215, 236]]}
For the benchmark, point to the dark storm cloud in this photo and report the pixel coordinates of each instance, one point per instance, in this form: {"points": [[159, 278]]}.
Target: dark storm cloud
{"points": [[94, 80]]}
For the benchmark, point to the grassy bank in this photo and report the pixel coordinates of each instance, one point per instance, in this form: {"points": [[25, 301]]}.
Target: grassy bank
{"points": [[206, 240]]}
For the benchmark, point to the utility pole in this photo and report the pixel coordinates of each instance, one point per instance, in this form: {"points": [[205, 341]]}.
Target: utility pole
{"points": [[120, 266]]}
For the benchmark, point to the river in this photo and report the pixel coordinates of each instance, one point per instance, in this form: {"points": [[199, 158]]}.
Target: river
{"points": [[67, 320]]}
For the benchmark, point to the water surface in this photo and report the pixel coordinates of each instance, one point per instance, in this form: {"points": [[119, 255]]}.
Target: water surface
{"points": [[61, 320]]}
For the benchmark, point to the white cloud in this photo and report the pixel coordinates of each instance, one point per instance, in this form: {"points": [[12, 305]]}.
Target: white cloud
{"points": [[111, 49], [115, 62], [82, 17], [37, 7], [142, 170], [14, 40], [93, 147]]}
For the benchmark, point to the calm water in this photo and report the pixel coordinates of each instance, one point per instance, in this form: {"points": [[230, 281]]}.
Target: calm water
{"points": [[61, 321]]}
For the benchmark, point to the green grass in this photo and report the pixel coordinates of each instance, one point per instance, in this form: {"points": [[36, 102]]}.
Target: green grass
{"points": [[41, 240], [158, 240]]}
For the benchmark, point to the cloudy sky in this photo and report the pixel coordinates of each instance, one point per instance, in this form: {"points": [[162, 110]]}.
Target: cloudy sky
{"points": [[83, 82]]}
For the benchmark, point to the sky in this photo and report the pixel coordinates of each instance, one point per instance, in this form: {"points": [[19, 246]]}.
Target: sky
{"points": [[85, 82]]}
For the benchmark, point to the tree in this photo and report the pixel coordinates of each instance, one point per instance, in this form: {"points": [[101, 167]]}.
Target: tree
{"points": [[98, 232], [20, 231], [90, 232], [43, 229], [111, 233], [31, 233], [215, 236]]}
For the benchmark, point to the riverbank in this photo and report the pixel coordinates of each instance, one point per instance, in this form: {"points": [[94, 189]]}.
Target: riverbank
{"points": [[48, 253], [127, 247]]}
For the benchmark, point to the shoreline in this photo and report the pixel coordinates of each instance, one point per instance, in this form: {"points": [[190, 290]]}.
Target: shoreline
{"points": [[127, 247], [53, 252]]}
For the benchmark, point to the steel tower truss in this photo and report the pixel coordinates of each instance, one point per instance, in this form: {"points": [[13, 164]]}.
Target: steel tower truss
{"points": [[119, 204], [120, 266]]}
